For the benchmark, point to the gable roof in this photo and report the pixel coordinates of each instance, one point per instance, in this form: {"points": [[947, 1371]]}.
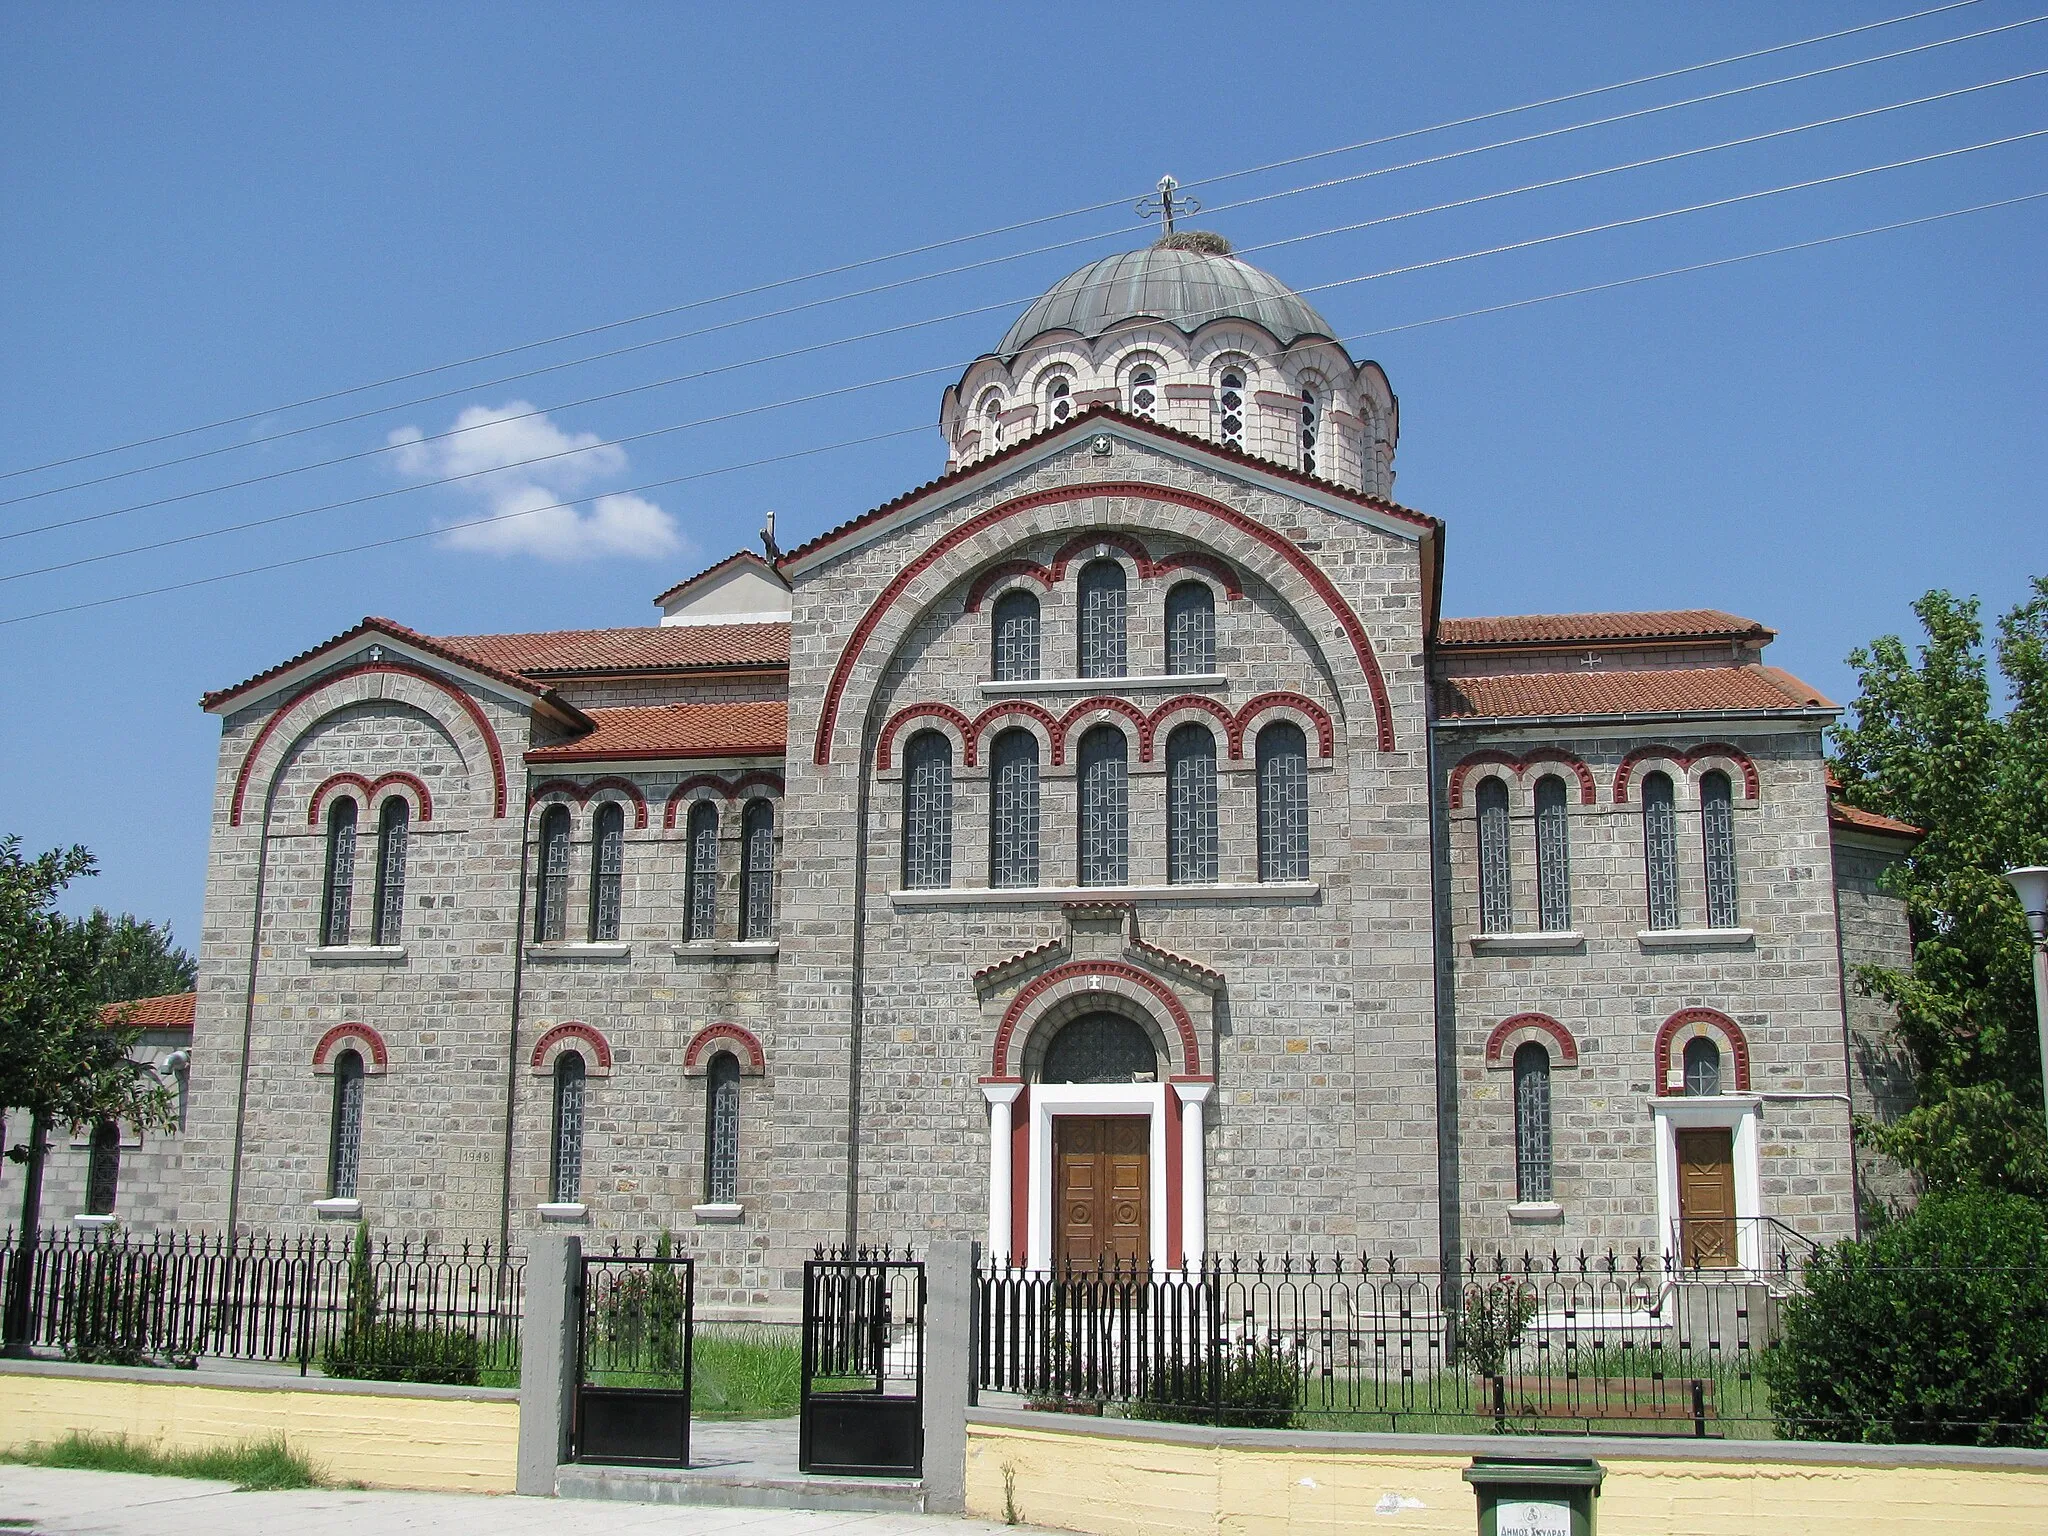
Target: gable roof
{"points": [[389, 628], [635, 648], [172, 1010], [742, 557], [1648, 691], [1545, 629], [752, 728]]}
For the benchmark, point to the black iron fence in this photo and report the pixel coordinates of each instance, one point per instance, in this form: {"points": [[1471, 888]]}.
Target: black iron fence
{"points": [[862, 1388], [376, 1309]]}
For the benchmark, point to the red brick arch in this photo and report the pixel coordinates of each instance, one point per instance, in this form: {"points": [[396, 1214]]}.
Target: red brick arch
{"points": [[423, 801], [1733, 1041], [1003, 573], [375, 1057], [1012, 709], [1102, 704], [1589, 793], [1004, 1068], [582, 793], [885, 746], [1326, 733], [1565, 1048], [728, 789], [707, 1042], [572, 1033], [1189, 701], [1685, 760]]}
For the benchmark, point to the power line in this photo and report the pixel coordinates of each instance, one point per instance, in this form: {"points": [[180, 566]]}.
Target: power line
{"points": [[926, 249]]}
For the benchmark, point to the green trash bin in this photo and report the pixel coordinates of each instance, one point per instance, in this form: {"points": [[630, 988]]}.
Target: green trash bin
{"points": [[1535, 1496]]}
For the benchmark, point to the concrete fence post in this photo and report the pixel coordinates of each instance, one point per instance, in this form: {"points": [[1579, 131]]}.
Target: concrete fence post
{"points": [[948, 1367], [547, 1358]]}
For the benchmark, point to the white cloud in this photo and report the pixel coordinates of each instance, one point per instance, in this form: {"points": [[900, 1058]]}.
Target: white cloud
{"points": [[509, 489]]}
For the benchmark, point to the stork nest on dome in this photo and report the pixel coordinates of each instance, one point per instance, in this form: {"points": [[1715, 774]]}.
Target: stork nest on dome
{"points": [[1208, 242]]}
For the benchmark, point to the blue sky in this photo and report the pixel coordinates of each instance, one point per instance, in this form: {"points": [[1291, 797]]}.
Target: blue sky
{"points": [[215, 210]]}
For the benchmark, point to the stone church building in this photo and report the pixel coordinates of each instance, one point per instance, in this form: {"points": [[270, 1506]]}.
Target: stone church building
{"points": [[1107, 848]]}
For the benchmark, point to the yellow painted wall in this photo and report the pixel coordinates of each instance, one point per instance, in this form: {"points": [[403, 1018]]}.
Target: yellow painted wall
{"points": [[455, 1444], [1116, 1487]]}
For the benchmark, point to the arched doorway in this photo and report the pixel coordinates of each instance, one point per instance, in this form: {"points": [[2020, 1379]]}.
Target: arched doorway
{"points": [[1102, 1173]]}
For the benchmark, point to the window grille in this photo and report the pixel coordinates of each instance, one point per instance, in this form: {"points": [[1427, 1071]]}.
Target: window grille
{"points": [[1311, 423], [757, 871], [928, 812], [1059, 400], [1496, 870], [1532, 1122], [1144, 390], [393, 822], [700, 874], [1103, 645], [1105, 808], [1230, 400], [1191, 805], [103, 1169], [1553, 855], [1660, 850], [1016, 637], [345, 1137], [607, 870], [341, 872], [1101, 1048], [1013, 810], [565, 1186], [722, 1130], [1190, 629], [1283, 802], [1702, 1067], [991, 422], [551, 910], [1717, 825]]}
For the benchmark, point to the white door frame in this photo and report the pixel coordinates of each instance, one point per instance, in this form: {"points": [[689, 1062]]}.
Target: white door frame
{"points": [[1738, 1112], [1050, 1099]]}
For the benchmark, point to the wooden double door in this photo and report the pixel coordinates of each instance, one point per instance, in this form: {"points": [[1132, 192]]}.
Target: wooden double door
{"points": [[1706, 1198], [1102, 1190]]}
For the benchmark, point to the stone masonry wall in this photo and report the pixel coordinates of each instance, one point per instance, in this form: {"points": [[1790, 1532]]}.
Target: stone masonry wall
{"points": [[1874, 932]]}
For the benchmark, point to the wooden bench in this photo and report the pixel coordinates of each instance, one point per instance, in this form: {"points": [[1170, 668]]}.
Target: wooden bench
{"points": [[1673, 1400]]}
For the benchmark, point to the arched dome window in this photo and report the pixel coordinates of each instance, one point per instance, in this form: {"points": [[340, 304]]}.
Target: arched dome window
{"points": [[1059, 399], [1230, 403], [1311, 426], [1144, 389], [990, 414]]}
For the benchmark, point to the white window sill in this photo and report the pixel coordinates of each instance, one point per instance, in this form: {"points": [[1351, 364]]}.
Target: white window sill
{"points": [[95, 1223], [1110, 685], [561, 1210], [726, 1215], [577, 949], [1526, 943], [1696, 938], [341, 1208], [1532, 1212], [729, 949], [357, 954], [1241, 894]]}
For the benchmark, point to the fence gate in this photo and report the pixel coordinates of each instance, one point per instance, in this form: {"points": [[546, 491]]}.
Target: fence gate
{"points": [[633, 1362], [863, 1365]]}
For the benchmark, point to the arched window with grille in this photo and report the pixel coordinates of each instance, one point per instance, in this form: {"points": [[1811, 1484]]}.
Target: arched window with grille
{"points": [[1311, 427], [1191, 838], [757, 871], [607, 870], [1013, 810], [1496, 870], [1103, 646], [1283, 802], [1190, 629], [1660, 850], [551, 904], [339, 891], [1532, 1122], [1553, 855], [700, 872], [1717, 827], [1059, 399], [103, 1169], [928, 812], [1702, 1067], [1015, 634], [565, 1174], [1105, 807], [393, 822], [991, 418], [1144, 389], [345, 1132], [1230, 408], [722, 1130]]}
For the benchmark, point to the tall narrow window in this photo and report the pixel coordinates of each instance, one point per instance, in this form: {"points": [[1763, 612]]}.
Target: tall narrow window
{"points": [[991, 422], [341, 872], [393, 821], [1717, 825], [1660, 850], [1311, 428], [565, 1182], [700, 874], [1013, 810], [551, 904], [1191, 805], [103, 1169], [1016, 637], [928, 812], [607, 870], [1230, 402], [1144, 390], [1105, 808], [722, 1130], [1059, 400], [1283, 802], [1102, 619], [1190, 629], [757, 871], [1496, 870], [1553, 855], [1532, 1122], [1702, 1067], [345, 1135]]}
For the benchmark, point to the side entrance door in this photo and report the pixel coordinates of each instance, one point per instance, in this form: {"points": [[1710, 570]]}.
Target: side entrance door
{"points": [[1102, 1187], [1706, 1198]]}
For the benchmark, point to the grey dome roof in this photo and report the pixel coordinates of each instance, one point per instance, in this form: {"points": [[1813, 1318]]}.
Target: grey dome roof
{"points": [[1186, 289]]}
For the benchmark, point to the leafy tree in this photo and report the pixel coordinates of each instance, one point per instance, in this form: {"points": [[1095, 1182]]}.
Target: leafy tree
{"points": [[1923, 744], [137, 958]]}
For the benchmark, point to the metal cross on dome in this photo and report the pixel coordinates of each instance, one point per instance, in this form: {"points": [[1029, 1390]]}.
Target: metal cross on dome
{"points": [[1164, 206]]}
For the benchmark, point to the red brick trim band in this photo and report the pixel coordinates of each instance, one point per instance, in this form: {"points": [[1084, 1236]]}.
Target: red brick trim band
{"points": [[1003, 572], [1732, 1038], [743, 1043], [1326, 733], [1589, 793], [1060, 729], [366, 1039], [946, 712], [1686, 762], [1567, 1049], [423, 801], [730, 789], [1011, 709], [581, 794], [1184, 1026], [556, 1040]]}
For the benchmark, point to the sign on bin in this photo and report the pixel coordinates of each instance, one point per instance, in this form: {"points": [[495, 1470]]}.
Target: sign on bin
{"points": [[1536, 1495], [1533, 1517]]}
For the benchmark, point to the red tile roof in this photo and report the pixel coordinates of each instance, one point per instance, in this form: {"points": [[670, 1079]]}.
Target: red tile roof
{"points": [[371, 626], [1658, 691], [1854, 818], [171, 1011], [751, 729], [1600, 628], [639, 648]]}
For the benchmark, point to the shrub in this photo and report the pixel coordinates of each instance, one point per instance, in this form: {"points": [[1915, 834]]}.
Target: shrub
{"points": [[1934, 1330], [448, 1357], [1495, 1315], [1259, 1389]]}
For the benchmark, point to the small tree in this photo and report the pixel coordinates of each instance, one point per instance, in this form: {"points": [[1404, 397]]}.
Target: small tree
{"points": [[1495, 1317], [137, 958]]}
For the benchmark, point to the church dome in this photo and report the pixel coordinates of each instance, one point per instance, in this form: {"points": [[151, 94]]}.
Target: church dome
{"points": [[1185, 288]]}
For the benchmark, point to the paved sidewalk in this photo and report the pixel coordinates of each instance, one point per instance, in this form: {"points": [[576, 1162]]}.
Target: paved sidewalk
{"points": [[124, 1504]]}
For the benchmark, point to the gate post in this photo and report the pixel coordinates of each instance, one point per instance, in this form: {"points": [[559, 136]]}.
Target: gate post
{"points": [[547, 1358], [949, 1368]]}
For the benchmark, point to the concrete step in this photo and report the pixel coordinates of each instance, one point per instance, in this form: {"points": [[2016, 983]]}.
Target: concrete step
{"points": [[742, 1485]]}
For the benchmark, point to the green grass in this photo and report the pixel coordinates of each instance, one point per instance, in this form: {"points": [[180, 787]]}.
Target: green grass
{"points": [[745, 1372], [252, 1466]]}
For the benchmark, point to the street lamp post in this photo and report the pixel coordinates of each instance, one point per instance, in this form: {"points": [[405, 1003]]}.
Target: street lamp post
{"points": [[2032, 885]]}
